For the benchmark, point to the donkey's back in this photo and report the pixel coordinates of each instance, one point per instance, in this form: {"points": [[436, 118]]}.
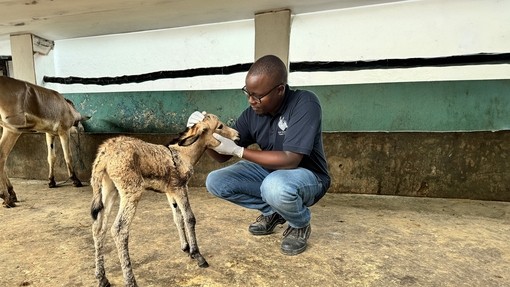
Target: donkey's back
{"points": [[28, 107]]}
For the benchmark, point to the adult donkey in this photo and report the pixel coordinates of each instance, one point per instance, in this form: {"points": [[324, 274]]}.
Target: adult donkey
{"points": [[26, 107]]}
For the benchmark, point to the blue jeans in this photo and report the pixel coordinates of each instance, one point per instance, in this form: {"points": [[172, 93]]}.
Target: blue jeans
{"points": [[288, 191]]}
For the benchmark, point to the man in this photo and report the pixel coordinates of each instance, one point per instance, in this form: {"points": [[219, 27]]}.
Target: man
{"points": [[289, 174]]}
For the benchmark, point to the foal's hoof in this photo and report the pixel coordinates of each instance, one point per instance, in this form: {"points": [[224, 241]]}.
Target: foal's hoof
{"points": [[104, 283], [202, 263]]}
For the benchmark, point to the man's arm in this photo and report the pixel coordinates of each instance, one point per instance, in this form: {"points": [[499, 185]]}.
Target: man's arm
{"points": [[217, 156], [273, 159], [268, 159]]}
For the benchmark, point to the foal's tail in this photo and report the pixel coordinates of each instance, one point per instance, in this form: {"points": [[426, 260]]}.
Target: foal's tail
{"points": [[98, 173]]}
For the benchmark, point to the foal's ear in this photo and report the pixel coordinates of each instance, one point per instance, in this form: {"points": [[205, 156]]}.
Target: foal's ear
{"points": [[188, 139], [191, 134]]}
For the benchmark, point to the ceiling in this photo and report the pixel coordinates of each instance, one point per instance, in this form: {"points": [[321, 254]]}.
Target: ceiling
{"points": [[64, 19]]}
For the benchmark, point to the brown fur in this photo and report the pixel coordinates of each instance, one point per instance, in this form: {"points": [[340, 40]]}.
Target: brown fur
{"points": [[125, 167], [25, 107]]}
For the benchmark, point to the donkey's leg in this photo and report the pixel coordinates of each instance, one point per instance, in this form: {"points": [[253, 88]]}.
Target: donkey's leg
{"points": [[120, 230], [99, 227], [50, 145], [181, 198], [7, 142], [179, 222], [64, 142]]}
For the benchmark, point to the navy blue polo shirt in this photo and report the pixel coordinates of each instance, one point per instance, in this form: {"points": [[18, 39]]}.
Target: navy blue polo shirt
{"points": [[296, 127]]}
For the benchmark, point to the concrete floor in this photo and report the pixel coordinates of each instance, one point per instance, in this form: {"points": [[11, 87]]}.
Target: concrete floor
{"points": [[356, 240]]}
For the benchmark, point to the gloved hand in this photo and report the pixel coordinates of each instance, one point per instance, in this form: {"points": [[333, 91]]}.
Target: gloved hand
{"points": [[194, 118], [228, 146]]}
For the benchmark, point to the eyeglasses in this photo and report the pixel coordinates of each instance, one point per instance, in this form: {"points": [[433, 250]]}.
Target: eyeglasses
{"points": [[259, 99]]}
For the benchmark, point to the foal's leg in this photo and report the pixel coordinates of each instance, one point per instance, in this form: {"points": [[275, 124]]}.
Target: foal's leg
{"points": [[7, 142], [129, 198], [179, 222], [181, 198], [99, 227], [64, 142]]}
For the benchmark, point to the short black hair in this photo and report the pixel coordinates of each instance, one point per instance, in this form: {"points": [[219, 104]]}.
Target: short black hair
{"points": [[270, 65]]}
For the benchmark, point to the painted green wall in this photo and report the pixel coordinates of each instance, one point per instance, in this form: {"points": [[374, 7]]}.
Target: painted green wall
{"points": [[415, 106], [153, 112], [418, 106]]}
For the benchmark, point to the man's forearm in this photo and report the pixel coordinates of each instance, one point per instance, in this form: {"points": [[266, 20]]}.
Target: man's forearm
{"points": [[218, 157]]}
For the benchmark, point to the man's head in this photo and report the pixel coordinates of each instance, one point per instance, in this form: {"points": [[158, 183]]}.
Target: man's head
{"points": [[265, 84]]}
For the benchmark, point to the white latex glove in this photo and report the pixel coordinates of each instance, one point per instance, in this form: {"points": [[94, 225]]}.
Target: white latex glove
{"points": [[195, 117], [228, 146]]}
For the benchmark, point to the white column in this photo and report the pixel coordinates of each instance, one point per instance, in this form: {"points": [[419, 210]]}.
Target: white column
{"points": [[272, 34], [23, 57]]}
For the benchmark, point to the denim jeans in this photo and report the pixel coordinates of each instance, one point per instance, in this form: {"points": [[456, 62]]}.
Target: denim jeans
{"points": [[289, 192]]}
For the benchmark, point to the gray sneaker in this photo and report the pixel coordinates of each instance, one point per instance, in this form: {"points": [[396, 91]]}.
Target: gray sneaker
{"points": [[294, 240], [265, 224]]}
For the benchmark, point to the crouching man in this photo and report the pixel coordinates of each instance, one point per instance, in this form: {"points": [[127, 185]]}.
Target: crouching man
{"points": [[289, 174]]}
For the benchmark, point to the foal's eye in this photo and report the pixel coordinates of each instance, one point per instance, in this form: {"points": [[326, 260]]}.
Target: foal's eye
{"points": [[220, 126]]}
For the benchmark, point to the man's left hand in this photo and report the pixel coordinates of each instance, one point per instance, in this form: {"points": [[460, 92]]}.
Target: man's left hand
{"points": [[227, 146]]}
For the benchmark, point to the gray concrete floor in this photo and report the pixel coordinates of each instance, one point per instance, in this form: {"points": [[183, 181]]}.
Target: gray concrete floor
{"points": [[356, 240]]}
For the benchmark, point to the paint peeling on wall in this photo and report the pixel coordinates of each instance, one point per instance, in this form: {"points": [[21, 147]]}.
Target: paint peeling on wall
{"points": [[154, 112]]}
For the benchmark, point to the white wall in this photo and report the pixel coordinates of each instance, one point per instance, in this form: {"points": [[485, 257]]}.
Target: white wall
{"points": [[145, 52], [414, 29], [428, 28]]}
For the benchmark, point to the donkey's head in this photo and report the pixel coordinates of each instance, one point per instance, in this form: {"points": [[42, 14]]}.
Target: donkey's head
{"points": [[78, 118], [204, 130]]}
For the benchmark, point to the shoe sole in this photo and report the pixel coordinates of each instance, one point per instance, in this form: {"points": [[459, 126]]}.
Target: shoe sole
{"points": [[270, 231], [293, 252]]}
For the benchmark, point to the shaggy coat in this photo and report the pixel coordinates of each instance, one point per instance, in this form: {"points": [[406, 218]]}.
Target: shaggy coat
{"points": [[125, 167]]}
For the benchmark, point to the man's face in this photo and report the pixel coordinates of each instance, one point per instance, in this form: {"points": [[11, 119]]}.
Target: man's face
{"points": [[263, 93]]}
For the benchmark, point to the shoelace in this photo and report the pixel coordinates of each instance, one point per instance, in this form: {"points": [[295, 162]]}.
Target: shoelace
{"points": [[265, 218], [260, 218], [300, 232]]}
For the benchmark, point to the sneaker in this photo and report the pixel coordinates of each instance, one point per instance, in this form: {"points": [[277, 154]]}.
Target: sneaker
{"points": [[265, 224], [294, 240]]}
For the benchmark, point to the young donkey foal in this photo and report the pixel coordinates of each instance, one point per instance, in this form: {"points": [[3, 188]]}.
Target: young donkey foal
{"points": [[124, 167], [25, 107]]}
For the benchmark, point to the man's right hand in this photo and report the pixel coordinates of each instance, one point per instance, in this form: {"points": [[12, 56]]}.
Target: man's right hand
{"points": [[195, 117]]}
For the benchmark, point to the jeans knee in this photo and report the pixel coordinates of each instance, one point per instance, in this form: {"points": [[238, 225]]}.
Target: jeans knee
{"points": [[215, 184], [276, 192], [272, 194], [211, 183]]}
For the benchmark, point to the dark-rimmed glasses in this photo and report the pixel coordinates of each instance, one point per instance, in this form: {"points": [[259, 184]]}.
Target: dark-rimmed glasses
{"points": [[259, 99]]}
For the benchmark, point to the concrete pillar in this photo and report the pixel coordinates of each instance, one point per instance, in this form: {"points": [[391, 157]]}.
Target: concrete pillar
{"points": [[272, 34], [23, 57]]}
